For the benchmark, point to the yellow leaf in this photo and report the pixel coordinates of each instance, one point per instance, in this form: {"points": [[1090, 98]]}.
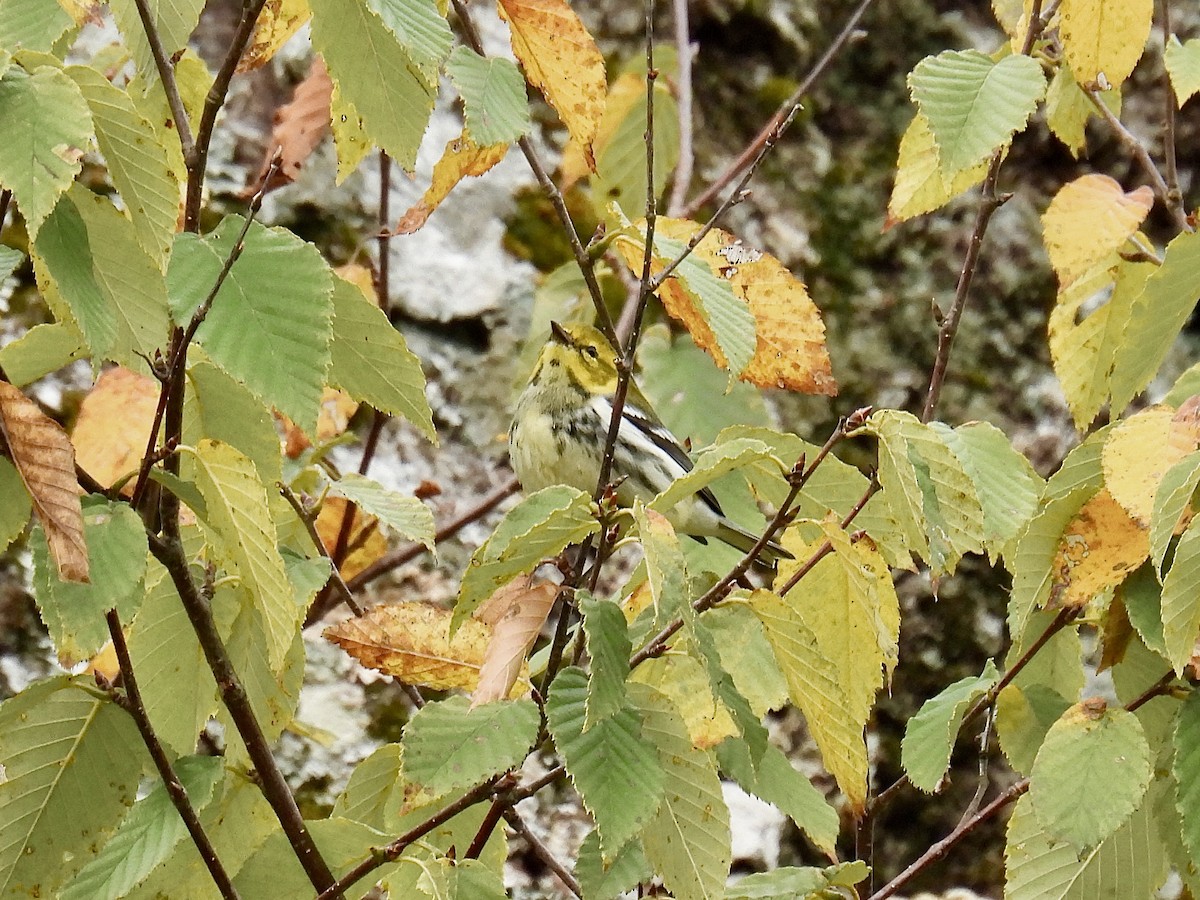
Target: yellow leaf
{"points": [[1139, 451], [1088, 219], [561, 60], [411, 642], [1068, 109], [682, 678], [278, 21], [921, 185], [366, 543], [460, 159], [350, 138], [82, 11], [1100, 546], [113, 426], [45, 460], [333, 418], [1104, 39]]}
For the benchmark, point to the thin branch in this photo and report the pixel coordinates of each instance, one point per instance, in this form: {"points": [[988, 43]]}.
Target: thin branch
{"points": [[271, 781], [586, 266], [175, 790], [1173, 204], [490, 820], [683, 81], [306, 517], [542, 852], [1170, 102], [166, 74], [197, 161], [753, 153]]}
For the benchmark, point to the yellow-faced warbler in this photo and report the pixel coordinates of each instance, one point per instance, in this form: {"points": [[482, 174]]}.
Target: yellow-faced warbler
{"points": [[558, 436]]}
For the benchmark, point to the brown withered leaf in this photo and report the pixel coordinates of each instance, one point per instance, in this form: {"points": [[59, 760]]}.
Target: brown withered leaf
{"points": [[411, 642], [460, 159], [1100, 546], [113, 426], [43, 455], [516, 613], [299, 127], [366, 543]]}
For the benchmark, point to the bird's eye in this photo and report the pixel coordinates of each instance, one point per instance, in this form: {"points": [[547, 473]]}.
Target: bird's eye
{"points": [[592, 352]]}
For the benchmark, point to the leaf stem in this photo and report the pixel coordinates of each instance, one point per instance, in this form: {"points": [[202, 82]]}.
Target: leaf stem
{"points": [[175, 790], [541, 851], [306, 516]]}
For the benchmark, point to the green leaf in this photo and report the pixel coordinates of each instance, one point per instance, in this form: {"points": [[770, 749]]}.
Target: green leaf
{"points": [[666, 569], [746, 656], [801, 883], [711, 465], [390, 91], [238, 512], [448, 745], [420, 29], [32, 25], [1006, 484], [177, 686], [617, 772], [41, 350], [15, 505], [217, 406], [688, 841], [60, 742], [1171, 500], [49, 127], [1186, 769], [174, 20], [606, 882], [1142, 595], [1024, 713], [372, 363], [269, 332], [975, 105], [114, 289], [376, 785], [146, 836], [1181, 599], [117, 554], [713, 298], [621, 145], [540, 526], [1183, 65], [10, 258], [931, 734], [493, 95], [609, 647], [928, 490], [139, 166], [1157, 317], [407, 515], [773, 779], [1102, 756]]}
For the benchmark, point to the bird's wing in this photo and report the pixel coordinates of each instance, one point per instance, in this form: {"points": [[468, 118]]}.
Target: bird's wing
{"points": [[649, 425]]}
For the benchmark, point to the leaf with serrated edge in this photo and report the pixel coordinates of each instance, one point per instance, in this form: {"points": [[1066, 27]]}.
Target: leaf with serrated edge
{"points": [[1172, 501], [1098, 548], [540, 526], [1183, 65], [1088, 219], [688, 841], [493, 95], [1186, 768], [408, 516], [15, 504], [374, 784], [372, 363], [43, 455], [238, 512], [921, 186], [273, 28], [711, 465], [1102, 39], [174, 21], [448, 744], [1139, 451], [41, 350], [113, 425], [462, 158], [609, 647], [1181, 599], [607, 881], [930, 735], [616, 771], [517, 612], [807, 882]]}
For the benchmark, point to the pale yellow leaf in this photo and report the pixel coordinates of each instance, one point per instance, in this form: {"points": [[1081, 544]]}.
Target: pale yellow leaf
{"points": [[1100, 546], [1088, 219], [682, 678], [921, 185], [460, 159], [1104, 39], [1139, 451], [45, 460]]}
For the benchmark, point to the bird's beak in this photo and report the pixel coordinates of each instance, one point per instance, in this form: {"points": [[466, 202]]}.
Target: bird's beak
{"points": [[560, 334]]}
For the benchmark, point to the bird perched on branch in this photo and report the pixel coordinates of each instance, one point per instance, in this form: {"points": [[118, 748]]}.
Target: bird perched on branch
{"points": [[558, 436]]}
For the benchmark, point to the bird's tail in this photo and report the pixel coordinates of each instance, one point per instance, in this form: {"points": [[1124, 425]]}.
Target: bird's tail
{"points": [[744, 540]]}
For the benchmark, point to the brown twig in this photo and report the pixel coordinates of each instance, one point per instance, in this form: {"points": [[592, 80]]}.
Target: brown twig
{"points": [[542, 852], [166, 74], [753, 153], [174, 787], [306, 517], [490, 820], [683, 81], [270, 779], [584, 261]]}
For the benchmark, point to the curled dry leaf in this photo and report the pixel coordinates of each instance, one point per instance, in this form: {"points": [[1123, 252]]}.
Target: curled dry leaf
{"points": [[113, 426], [43, 455], [411, 642], [460, 159], [299, 127], [516, 613]]}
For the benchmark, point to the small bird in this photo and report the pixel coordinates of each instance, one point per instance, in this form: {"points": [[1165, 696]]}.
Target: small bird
{"points": [[559, 429]]}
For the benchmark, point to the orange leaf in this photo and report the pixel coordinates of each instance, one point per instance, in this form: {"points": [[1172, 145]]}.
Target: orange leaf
{"points": [[43, 455], [460, 159], [333, 418], [516, 613], [562, 61], [298, 128], [113, 426], [1097, 550], [366, 543], [411, 642]]}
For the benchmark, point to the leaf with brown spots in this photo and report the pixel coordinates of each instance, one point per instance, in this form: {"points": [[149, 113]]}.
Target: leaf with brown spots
{"points": [[275, 26], [1100, 546], [460, 159], [299, 126]]}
